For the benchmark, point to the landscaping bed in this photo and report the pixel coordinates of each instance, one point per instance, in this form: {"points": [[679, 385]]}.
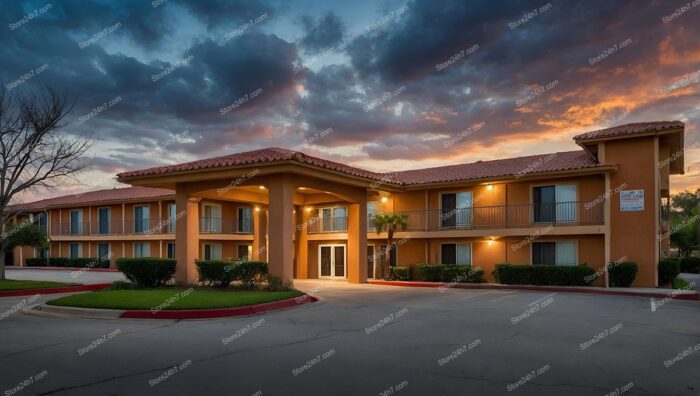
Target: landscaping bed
{"points": [[172, 298], [12, 285]]}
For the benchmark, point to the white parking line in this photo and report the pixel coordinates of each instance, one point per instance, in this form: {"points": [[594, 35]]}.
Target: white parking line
{"points": [[540, 299], [507, 295], [479, 294]]}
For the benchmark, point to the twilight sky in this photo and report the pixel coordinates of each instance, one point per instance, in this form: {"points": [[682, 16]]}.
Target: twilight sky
{"points": [[383, 85]]}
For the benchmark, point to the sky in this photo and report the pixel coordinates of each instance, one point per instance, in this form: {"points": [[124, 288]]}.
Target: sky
{"points": [[382, 85]]}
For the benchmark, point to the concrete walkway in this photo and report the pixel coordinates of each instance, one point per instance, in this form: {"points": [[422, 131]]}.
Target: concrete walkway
{"points": [[77, 276], [691, 278]]}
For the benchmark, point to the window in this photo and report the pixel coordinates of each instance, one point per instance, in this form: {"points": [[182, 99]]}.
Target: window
{"points": [[172, 217], [456, 210], [211, 219], [334, 219], [244, 252], [103, 250], [170, 250], [382, 252], [76, 222], [554, 253], [371, 214], [245, 220], [141, 219], [142, 249], [212, 251], [43, 224], [74, 250], [554, 204], [104, 217], [41, 253], [456, 253]]}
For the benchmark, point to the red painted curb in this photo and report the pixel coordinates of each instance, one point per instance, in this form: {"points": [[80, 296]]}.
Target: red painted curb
{"points": [[686, 297], [218, 312], [54, 290], [66, 269]]}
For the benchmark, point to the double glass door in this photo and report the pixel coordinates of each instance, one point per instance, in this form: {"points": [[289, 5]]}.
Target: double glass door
{"points": [[331, 261]]}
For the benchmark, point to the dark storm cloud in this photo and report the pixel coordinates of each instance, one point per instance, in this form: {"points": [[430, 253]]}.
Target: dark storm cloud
{"points": [[324, 32]]}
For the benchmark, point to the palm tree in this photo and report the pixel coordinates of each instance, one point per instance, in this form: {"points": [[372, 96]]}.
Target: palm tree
{"points": [[389, 223]]}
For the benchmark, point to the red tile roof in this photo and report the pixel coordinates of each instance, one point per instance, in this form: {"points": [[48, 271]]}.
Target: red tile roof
{"points": [[266, 155], [629, 129], [114, 194], [514, 167]]}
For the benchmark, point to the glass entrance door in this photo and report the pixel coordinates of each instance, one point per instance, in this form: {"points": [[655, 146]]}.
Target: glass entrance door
{"points": [[331, 261], [370, 262]]}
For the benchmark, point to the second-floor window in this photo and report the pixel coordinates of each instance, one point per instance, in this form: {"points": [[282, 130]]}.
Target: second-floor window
{"points": [[141, 219], [211, 218], [456, 210], [172, 217], [371, 214], [334, 219], [104, 217], [76, 222], [554, 204], [245, 220], [42, 222]]}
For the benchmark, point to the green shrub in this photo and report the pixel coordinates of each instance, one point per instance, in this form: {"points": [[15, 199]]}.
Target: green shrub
{"points": [[542, 275], [82, 262], [122, 285], [250, 273], [465, 274], [399, 273], [690, 265], [216, 272], [622, 274], [430, 273], [147, 271], [668, 270]]}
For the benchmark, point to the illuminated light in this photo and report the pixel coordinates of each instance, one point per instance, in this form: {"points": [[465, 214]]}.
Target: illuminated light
{"points": [[490, 242], [489, 187], [384, 199], [261, 187], [308, 208], [302, 188], [257, 209]]}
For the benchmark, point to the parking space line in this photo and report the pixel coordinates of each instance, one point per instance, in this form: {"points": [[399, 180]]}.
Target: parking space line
{"points": [[507, 295], [479, 294], [540, 299]]}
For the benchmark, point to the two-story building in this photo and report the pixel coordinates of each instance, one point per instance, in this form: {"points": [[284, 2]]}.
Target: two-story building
{"points": [[313, 218]]}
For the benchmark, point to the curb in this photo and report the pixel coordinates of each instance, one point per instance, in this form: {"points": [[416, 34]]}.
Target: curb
{"points": [[54, 290], [688, 296], [93, 313], [88, 269]]}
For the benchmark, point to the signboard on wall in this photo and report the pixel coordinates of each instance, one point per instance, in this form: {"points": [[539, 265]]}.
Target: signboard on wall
{"points": [[631, 200]]}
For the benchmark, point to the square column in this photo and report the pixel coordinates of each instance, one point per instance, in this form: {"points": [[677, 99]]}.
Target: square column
{"points": [[281, 227], [186, 237], [259, 235], [357, 242]]}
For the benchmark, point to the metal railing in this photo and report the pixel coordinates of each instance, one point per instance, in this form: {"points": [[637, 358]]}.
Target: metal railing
{"points": [[502, 216], [317, 225], [147, 227], [210, 225]]}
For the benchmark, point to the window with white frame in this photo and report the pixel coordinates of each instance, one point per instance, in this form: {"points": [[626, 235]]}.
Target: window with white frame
{"points": [[554, 204], [456, 253], [371, 214], [334, 219], [76, 222], [456, 210], [172, 217], [554, 253], [142, 249], [211, 218], [142, 219], [212, 251], [245, 220]]}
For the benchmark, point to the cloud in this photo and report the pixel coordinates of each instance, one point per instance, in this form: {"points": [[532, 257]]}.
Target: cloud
{"points": [[322, 33]]}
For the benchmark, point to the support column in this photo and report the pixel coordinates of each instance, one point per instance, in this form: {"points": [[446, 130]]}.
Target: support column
{"points": [[259, 234], [186, 236], [302, 242], [357, 242], [281, 227]]}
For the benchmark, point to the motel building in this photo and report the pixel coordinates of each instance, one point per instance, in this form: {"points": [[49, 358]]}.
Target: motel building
{"points": [[312, 218]]}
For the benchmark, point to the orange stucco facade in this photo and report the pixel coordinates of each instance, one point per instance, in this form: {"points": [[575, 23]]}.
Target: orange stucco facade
{"points": [[313, 223]]}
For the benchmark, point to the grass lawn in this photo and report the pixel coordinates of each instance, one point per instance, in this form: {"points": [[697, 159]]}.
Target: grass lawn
{"points": [[679, 283], [171, 298], [9, 284]]}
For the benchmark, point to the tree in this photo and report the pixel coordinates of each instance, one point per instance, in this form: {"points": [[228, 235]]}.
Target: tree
{"points": [[684, 222], [34, 153], [389, 223]]}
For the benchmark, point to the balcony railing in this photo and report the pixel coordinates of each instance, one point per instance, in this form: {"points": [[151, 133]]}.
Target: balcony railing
{"points": [[208, 225], [317, 225], [504, 216]]}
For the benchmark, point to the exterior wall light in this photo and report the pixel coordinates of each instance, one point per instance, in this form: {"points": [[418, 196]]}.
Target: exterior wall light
{"points": [[384, 199], [489, 187], [261, 187]]}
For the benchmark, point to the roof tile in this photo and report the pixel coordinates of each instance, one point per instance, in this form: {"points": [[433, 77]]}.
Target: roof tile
{"points": [[629, 129]]}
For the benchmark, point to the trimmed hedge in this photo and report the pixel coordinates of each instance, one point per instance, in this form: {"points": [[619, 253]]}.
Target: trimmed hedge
{"points": [[215, 272], [668, 270], [68, 262], [147, 271], [690, 265], [542, 275], [622, 274], [449, 273], [399, 273], [221, 273]]}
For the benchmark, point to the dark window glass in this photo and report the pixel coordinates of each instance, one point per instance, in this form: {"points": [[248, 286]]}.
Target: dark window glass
{"points": [[171, 250], [544, 204], [544, 253], [449, 253], [449, 206], [243, 252]]}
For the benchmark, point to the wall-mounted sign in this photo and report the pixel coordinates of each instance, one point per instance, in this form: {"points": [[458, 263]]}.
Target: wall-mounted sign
{"points": [[631, 200]]}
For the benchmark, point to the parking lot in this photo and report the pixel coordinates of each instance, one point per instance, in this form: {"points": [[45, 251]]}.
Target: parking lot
{"points": [[369, 339]]}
